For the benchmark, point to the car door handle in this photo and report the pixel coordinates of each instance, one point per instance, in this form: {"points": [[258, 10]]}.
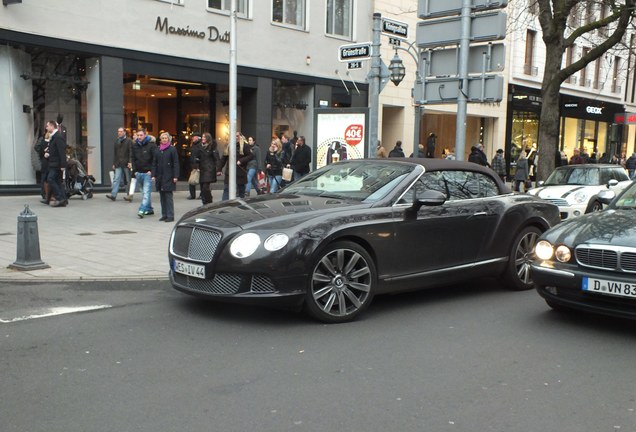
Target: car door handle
{"points": [[480, 214]]}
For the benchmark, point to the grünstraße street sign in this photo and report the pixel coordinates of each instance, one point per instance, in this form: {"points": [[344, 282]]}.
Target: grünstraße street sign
{"points": [[353, 52]]}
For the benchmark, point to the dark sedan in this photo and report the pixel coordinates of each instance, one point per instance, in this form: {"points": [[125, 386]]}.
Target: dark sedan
{"points": [[589, 263], [357, 228]]}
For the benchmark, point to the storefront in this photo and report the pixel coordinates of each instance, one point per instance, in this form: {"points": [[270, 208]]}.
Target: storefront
{"points": [[92, 90]]}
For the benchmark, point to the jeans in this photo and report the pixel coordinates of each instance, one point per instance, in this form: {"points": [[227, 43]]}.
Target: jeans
{"points": [[144, 181], [240, 191], [297, 175], [275, 182], [252, 179], [167, 204], [117, 180], [630, 173]]}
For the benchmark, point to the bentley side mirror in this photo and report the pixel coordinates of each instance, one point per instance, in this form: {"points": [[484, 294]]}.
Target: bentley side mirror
{"points": [[429, 198]]}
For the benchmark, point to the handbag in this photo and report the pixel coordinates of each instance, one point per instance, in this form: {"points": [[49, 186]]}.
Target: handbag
{"points": [[194, 177], [528, 185], [288, 174], [262, 182]]}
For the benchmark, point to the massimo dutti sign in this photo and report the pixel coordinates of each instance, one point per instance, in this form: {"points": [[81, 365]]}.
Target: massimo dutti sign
{"points": [[211, 33]]}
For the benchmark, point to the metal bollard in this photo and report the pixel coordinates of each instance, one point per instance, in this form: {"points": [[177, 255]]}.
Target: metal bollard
{"points": [[28, 245]]}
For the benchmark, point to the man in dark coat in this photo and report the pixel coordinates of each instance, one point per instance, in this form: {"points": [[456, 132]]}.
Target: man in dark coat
{"points": [[143, 155], [397, 150], [56, 157], [205, 158], [165, 174], [478, 156], [431, 141], [301, 159], [243, 156], [121, 162]]}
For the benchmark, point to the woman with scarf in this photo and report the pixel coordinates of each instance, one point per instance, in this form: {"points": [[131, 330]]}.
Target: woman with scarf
{"points": [[165, 175], [206, 159]]}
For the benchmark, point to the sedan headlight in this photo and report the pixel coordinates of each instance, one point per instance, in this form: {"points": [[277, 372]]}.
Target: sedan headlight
{"points": [[245, 245], [543, 250], [580, 197], [563, 253], [275, 242]]}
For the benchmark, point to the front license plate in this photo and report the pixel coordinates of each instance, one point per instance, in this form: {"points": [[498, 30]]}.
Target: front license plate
{"points": [[603, 286], [189, 269]]}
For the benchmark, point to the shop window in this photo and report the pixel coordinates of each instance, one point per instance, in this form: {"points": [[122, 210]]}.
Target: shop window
{"points": [[289, 12], [223, 6], [339, 18]]}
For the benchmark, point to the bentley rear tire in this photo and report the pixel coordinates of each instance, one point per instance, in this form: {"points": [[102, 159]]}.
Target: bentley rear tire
{"points": [[342, 283]]}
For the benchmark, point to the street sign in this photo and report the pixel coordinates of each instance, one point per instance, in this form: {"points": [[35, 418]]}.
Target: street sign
{"points": [[447, 31], [354, 65], [440, 8], [481, 59], [360, 51], [488, 88], [395, 28], [395, 41]]}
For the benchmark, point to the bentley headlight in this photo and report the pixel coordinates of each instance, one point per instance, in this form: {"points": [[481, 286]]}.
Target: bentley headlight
{"points": [[245, 245], [543, 250], [580, 197], [275, 242], [563, 253]]}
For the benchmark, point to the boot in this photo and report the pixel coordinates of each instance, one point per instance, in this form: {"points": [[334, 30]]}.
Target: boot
{"points": [[47, 193]]}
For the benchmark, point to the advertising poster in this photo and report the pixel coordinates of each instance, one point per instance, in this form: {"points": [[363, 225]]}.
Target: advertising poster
{"points": [[340, 135]]}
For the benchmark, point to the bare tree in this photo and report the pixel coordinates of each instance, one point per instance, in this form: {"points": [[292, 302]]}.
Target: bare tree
{"points": [[555, 18]]}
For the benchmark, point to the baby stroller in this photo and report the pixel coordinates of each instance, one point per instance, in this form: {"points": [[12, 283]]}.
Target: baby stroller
{"points": [[77, 182]]}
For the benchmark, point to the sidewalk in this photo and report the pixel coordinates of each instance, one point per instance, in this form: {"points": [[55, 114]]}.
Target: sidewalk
{"points": [[92, 240]]}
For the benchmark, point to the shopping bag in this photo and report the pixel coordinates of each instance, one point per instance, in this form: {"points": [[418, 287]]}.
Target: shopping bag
{"points": [[262, 182], [288, 174], [111, 173], [133, 185], [194, 177]]}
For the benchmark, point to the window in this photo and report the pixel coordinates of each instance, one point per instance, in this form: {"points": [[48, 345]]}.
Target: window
{"points": [[339, 17], [597, 72], [615, 87], [289, 12], [584, 80], [531, 36], [569, 57], [224, 6]]}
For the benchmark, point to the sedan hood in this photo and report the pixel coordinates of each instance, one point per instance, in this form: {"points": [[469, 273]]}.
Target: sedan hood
{"points": [[609, 227], [278, 211]]}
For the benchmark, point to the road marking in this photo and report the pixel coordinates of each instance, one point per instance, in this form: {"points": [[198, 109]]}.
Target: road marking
{"points": [[48, 312]]}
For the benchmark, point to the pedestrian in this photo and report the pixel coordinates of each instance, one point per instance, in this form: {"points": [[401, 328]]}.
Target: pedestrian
{"points": [[274, 165], [243, 156], [121, 162], [615, 160], [380, 152], [576, 158], [56, 160], [397, 150], [630, 165], [431, 141], [301, 159], [195, 144], [253, 166], [207, 161], [499, 165], [143, 155], [165, 175], [286, 154], [41, 147], [522, 176], [478, 156]]}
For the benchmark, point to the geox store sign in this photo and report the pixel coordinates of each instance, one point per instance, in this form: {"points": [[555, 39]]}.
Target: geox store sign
{"points": [[212, 33]]}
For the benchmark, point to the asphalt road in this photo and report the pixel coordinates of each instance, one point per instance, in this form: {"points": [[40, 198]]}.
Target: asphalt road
{"points": [[467, 358]]}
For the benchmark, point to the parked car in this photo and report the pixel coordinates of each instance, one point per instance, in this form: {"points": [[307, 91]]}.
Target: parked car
{"points": [[575, 188], [348, 231], [589, 263]]}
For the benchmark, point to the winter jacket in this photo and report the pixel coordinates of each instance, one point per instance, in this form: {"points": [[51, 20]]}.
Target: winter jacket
{"points": [[166, 168], [208, 161], [301, 159], [522, 170], [257, 162], [276, 162], [143, 155], [57, 151], [241, 171], [630, 163], [122, 152], [396, 152]]}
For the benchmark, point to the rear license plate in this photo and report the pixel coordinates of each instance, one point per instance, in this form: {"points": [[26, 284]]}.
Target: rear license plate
{"points": [[603, 286], [189, 269]]}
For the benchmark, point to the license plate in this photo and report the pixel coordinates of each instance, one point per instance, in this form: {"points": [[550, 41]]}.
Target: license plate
{"points": [[189, 269], [603, 286]]}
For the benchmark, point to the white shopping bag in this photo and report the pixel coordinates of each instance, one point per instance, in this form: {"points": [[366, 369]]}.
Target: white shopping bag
{"points": [[112, 176], [133, 185]]}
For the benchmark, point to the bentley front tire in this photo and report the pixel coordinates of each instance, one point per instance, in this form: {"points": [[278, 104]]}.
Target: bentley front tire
{"points": [[342, 283], [518, 275]]}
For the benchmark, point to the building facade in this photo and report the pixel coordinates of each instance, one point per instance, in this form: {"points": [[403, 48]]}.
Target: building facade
{"points": [[163, 65]]}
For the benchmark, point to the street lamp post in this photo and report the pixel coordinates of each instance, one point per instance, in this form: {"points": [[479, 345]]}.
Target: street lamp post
{"points": [[398, 71]]}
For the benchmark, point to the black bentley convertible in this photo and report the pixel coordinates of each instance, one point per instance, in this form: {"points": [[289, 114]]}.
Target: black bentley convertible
{"points": [[342, 234]]}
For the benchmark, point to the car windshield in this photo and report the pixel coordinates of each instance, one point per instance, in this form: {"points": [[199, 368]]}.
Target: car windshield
{"points": [[627, 199], [362, 181], [574, 176]]}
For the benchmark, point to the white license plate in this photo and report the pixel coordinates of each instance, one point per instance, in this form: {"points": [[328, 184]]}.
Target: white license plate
{"points": [[189, 269], [603, 286]]}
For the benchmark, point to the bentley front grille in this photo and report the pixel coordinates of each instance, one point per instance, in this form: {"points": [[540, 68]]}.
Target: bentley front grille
{"points": [[195, 243]]}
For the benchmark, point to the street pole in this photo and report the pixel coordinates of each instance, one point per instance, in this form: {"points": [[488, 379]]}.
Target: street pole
{"points": [[462, 98], [374, 86], [233, 103]]}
